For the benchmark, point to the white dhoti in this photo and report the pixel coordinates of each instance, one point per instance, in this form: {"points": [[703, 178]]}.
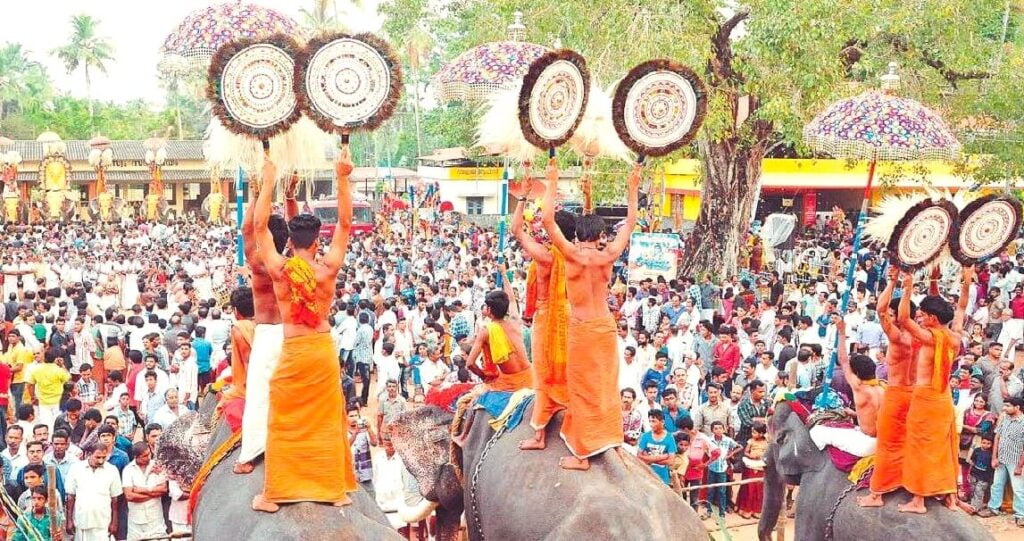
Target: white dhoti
{"points": [[146, 530], [263, 357], [850, 440], [92, 534]]}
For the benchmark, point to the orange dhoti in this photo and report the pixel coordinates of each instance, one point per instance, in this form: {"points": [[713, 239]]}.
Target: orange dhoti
{"points": [[307, 457], [593, 422], [511, 382], [548, 370], [932, 438], [892, 434]]}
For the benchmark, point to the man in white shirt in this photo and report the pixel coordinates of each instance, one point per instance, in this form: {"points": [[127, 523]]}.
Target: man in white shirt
{"points": [[93, 487], [679, 344], [387, 366], [163, 381], [433, 370], [144, 490], [170, 411], [185, 372], [15, 451], [218, 330], [630, 370]]}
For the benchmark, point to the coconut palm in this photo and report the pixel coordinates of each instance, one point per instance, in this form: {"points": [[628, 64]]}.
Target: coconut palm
{"points": [[85, 50], [322, 18], [24, 83]]}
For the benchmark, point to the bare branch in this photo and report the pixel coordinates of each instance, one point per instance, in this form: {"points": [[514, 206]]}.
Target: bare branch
{"points": [[720, 64]]}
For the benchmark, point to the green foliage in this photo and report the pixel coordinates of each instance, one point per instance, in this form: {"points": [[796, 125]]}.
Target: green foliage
{"points": [[24, 83], [69, 118]]}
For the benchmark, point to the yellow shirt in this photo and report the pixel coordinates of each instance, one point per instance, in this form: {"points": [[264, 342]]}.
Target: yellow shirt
{"points": [[19, 355], [49, 380]]}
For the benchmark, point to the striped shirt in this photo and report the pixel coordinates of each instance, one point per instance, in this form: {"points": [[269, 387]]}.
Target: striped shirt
{"points": [[1011, 440]]}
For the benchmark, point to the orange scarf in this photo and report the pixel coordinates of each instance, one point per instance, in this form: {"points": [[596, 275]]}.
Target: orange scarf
{"points": [[215, 458], [531, 291], [558, 307], [944, 353], [302, 282]]}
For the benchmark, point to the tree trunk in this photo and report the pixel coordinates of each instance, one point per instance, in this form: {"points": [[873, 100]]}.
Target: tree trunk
{"points": [[88, 92], [731, 172]]}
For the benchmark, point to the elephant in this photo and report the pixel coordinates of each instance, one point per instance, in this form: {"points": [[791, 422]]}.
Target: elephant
{"points": [[794, 459], [526, 495], [224, 511]]}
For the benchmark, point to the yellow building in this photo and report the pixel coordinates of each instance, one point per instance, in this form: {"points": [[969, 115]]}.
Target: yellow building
{"points": [[810, 186]]}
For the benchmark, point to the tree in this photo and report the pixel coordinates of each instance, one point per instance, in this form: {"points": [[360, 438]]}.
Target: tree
{"points": [[85, 50], [769, 66], [24, 83]]}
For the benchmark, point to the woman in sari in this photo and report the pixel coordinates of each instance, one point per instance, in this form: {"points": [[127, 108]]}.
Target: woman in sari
{"points": [[977, 420]]}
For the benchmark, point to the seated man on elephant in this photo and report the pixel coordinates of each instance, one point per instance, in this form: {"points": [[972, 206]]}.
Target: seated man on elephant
{"points": [[505, 367], [931, 420], [868, 395], [593, 421]]}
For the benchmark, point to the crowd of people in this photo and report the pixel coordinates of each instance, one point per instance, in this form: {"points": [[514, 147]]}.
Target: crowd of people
{"points": [[110, 335]]}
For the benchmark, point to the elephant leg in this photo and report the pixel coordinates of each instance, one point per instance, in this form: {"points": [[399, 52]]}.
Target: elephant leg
{"points": [[774, 495], [448, 523]]}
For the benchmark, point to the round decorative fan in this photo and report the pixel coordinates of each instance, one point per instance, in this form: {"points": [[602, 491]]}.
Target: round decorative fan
{"points": [[250, 86], [346, 83], [553, 98], [987, 226], [658, 107], [923, 232]]}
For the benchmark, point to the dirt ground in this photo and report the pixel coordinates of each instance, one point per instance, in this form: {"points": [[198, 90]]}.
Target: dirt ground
{"points": [[1002, 529]]}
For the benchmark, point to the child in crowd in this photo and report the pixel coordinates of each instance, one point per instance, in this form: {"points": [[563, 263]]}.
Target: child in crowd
{"points": [[981, 474], [680, 462], [658, 374], [751, 496], [657, 447], [718, 469]]}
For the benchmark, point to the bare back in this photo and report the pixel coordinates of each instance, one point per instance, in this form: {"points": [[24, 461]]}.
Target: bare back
{"points": [[517, 361], [324, 294], [587, 283], [868, 399], [264, 300], [900, 358], [925, 363]]}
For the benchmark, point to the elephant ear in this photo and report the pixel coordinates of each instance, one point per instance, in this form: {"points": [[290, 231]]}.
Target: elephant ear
{"points": [[797, 452], [422, 440]]}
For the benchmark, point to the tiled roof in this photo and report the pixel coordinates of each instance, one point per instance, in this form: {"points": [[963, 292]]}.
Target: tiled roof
{"points": [[123, 150]]}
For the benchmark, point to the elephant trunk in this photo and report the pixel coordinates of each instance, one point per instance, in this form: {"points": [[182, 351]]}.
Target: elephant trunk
{"points": [[774, 496], [448, 524]]}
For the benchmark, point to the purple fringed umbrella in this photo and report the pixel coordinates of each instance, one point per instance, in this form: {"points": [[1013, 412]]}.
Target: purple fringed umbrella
{"points": [[191, 45], [479, 72], [877, 125]]}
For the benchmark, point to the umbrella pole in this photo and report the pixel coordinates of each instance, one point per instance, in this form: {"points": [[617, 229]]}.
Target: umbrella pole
{"points": [[851, 271], [503, 202], [239, 214]]}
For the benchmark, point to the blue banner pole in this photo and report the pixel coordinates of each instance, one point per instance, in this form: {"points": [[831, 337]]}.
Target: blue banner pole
{"points": [[239, 216]]}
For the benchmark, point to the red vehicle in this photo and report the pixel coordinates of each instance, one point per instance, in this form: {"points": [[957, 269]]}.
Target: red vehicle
{"points": [[327, 211]]}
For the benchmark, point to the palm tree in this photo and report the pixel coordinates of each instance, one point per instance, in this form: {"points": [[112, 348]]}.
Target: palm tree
{"points": [[417, 49], [24, 83], [85, 50]]}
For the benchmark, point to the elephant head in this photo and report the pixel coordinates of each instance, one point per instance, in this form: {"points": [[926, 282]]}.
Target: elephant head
{"points": [[422, 439], [790, 455]]}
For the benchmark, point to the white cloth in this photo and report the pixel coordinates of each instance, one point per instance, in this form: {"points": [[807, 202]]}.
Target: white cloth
{"points": [[266, 351], [93, 490], [177, 513], [163, 382], [92, 534], [145, 519], [850, 440]]}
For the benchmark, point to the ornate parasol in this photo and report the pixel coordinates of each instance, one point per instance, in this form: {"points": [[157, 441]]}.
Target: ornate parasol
{"points": [[476, 74], [191, 45], [877, 125]]}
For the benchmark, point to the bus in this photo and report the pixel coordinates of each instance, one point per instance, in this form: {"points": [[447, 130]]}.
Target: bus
{"points": [[327, 211]]}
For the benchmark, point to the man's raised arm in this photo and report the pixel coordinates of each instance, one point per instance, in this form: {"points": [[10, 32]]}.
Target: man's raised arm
{"points": [[903, 314], [339, 243], [547, 216], [844, 356], [291, 206], [536, 251], [618, 244], [965, 292], [261, 219], [883, 303]]}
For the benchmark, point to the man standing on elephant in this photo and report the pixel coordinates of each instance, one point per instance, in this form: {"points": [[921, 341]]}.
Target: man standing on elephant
{"points": [[931, 419], [593, 423], [546, 299], [267, 335], [892, 416], [308, 367]]}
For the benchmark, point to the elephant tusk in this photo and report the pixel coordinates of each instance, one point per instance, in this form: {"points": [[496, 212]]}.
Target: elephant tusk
{"points": [[416, 513]]}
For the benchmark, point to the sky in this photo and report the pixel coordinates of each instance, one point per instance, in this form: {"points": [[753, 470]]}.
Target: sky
{"points": [[136, 29]]}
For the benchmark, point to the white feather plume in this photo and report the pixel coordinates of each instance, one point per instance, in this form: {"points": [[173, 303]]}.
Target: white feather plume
{"points": [[596, 137], [499, 131], [301, 148], [889, 212]]}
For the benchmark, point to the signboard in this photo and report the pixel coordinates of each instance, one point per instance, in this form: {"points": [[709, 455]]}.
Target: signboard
{"points": [[810, 208], [475, 173], [652, 255]]}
